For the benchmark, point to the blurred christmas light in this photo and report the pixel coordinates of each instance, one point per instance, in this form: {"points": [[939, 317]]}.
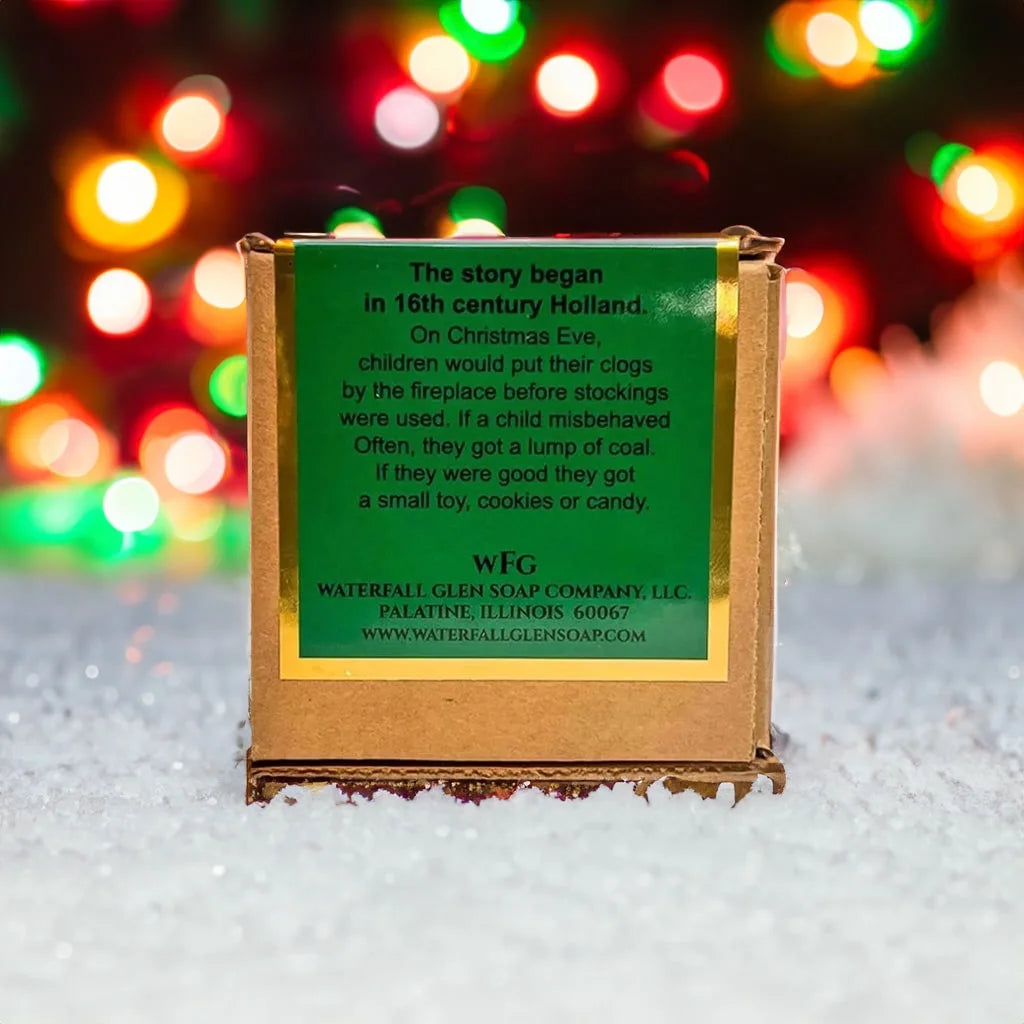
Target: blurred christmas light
{"points": [[440, 65], [27, 425], [485, 44], [407, 119], [228, 384], [43, 515], [131, 504], [855, 375], [191, 124], [118, 302], [477, 202], [475, 227], [983, 186], [693, 83], [976, 189], [356, 229], [219, 278], [70, 448], [946, 157], [805, 308], [122, 203], [157, 429], [566, 85], [195, 463], [12, 104], [843, 41], [889, 25], [981, 213], [490, 16], [213, 325], [21, 369], [831, 39], [1001, 385], [354, 222], [825, 309], [210, 86], [126, 191], [786, 39]]}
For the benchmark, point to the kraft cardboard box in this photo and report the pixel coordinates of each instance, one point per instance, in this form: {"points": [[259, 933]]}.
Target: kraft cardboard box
{"points": [[513, 512]]}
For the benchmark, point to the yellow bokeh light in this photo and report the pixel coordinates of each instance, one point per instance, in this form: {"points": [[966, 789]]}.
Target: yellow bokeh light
{"points": [[191, 124], [982, 188], [1001, 385], [475, 227], [439, 65], [977, 190], [126, 191], [219, 278], [118, 302], [357, 229], [831, 39], [119, 202], [566, 84], [855, 375], [815, 325], [805, 309]]}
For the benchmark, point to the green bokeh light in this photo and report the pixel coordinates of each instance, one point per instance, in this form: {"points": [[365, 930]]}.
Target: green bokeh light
{"points": [[40, 516], [352, 215], [891, 26], [12, 104], [478, 201], [490, 16], [232, 539], [248, 17], [945, 159], [487, 47], [228, 385], [790, 64], [894, 27], [22, 368]]}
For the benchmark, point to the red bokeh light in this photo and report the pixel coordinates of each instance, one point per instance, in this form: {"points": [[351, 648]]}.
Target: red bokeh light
{"points": [[693, 83]]}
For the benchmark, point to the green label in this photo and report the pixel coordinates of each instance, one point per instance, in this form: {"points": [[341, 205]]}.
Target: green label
{"points": [[504, 449]]}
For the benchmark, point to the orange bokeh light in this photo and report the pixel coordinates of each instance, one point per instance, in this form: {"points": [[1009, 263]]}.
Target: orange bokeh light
{"points": [[826, 309], [120, 202], [162, 427], [855, 376], [53, 433], [214, 303]]}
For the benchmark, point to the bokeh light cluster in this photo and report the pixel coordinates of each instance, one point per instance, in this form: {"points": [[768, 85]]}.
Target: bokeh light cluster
{"points": [[848, 42], [126, 437]]}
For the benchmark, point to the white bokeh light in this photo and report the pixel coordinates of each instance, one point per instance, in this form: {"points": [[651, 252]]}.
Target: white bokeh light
{"points": [[407, 118], [126, 191]]}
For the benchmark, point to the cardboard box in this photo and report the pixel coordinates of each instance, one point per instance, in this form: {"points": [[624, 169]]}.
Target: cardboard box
{"points": [[513, 512]]}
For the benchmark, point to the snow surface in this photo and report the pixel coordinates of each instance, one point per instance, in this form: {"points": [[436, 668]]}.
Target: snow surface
{"points": [[886, 884]]}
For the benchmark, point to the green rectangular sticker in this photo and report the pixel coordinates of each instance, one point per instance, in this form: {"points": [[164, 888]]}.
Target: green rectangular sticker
{"points": [[504, 449]]}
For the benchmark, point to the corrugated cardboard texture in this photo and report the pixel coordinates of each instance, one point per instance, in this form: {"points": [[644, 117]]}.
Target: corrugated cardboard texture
{"points": [[300, 727]]}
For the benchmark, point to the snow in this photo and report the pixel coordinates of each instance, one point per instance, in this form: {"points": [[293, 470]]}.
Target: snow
{"points": [[884, 885]]}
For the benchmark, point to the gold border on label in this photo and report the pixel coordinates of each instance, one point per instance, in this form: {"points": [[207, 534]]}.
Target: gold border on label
{"points": [[714, 668]]}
